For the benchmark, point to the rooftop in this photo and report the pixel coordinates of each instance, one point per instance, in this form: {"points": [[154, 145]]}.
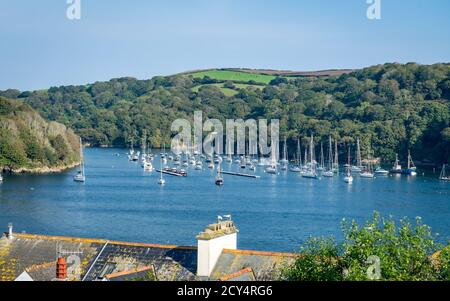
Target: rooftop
{"points": [[97, 259]]}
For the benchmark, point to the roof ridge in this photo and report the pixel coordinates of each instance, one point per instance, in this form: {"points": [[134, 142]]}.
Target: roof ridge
{"points": [[100, 241], [260, 253]]}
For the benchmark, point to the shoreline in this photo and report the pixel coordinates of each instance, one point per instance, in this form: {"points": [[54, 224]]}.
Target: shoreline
{"points": [[44, 170]]}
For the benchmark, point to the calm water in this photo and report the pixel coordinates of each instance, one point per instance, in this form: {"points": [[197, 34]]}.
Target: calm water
{"points": [[120, 201]]}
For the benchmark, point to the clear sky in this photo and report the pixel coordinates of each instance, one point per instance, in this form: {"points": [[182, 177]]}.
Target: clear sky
{"points": [[40, 47]]}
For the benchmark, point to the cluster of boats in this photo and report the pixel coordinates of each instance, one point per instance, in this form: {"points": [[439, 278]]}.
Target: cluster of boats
{"points": [[308, 167]]}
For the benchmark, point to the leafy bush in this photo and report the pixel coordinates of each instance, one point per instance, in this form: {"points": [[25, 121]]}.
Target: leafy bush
{"points": [[379, 250]]}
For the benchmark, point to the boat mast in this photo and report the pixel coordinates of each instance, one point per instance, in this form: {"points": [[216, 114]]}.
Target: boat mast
{"points": [[330, 155], [311, 150], [336, 155], [322, 159], [358, 154], [299, 152], [81, 157], [348, 167]]}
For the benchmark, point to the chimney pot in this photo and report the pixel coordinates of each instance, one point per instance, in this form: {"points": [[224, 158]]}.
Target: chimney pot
{"points": [[61, 268]]}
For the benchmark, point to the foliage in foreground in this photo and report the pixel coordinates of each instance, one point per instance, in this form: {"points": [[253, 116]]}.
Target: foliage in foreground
{"points": [[379, 250]]}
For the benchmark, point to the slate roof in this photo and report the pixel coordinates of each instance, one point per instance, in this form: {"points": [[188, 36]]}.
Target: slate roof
{"points": [[120, 261]]}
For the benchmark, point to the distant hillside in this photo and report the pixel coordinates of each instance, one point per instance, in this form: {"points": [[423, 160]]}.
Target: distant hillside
{"points": [[261, 76], [28, 143], [288, 73], [390, 108]]}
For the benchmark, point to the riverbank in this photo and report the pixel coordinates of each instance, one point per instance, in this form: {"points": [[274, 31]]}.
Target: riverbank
{"points": [[42, 170]]}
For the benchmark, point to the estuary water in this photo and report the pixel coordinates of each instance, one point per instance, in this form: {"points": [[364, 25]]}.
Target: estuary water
{"points": [[119, 201]]}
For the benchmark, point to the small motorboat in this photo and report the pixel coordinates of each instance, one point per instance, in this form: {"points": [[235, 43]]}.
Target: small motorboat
{"points": [[328, 174], [381, 172]]}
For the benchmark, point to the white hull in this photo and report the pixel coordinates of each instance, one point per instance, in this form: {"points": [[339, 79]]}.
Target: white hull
{"points": [[310, 175], [367, 175], [328, 174], [348, 180]]}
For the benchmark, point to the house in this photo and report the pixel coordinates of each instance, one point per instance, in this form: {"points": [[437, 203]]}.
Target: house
{"points": [[27, 257]]}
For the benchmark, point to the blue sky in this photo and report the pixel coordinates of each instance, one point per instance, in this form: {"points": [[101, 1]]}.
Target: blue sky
{"points": [[41, 48]]}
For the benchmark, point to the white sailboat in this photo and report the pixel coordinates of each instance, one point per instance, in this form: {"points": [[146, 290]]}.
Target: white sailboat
{"points": [[349, 178], [336, 158], [444, 176], [1, 178], [322, 159], [272, 169], [284, 162], [161, 180], [329, 172], [358, 167], [80, 176], [311, 172], [397, 168], [367, 173], [298, 167]]}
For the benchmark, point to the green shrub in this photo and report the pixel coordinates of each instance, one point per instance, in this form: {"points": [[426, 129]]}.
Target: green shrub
{"points": [[378, 250]]}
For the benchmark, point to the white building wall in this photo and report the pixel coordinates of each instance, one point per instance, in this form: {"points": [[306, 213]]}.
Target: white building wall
{"points": [[209, 252]]}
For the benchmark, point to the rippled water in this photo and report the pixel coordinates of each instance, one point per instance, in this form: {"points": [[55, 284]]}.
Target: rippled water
{"points": [[120, 201]]}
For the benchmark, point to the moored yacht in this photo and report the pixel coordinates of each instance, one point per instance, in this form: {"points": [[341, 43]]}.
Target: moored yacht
{"points": [[444, 176], [311, 171], [329, 173], [80, 177], [397, 168], [381, 172], [412, 169], [219, 179], [348, 178]]}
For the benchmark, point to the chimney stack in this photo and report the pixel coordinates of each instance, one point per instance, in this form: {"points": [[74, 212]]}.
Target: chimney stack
{"points": [[10, 231], [212, 241], [61, 269]]}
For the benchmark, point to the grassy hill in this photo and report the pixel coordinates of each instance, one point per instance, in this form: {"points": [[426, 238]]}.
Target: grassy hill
{"points": [[234, 76], [28, 143]]}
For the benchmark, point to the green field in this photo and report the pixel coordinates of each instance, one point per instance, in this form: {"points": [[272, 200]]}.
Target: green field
{"points": [[225, 75], [228, 92]]}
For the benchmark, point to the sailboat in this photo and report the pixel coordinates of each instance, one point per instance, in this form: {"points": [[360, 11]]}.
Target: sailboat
{"points": [[80, 177], [397, 168], [284, 162], [322, 159], [161, 180], [229, 158], [368, 172], [349, 178], [272, 169], [1, 178], [411, 170], [311, 172], [298, 168], [358, 167], [336, 158], [219, 178], [329, 172], [444, 176]]}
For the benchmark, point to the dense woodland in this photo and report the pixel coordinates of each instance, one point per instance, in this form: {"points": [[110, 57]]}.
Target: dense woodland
{"points": [[391, 108], [29, 143]]}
